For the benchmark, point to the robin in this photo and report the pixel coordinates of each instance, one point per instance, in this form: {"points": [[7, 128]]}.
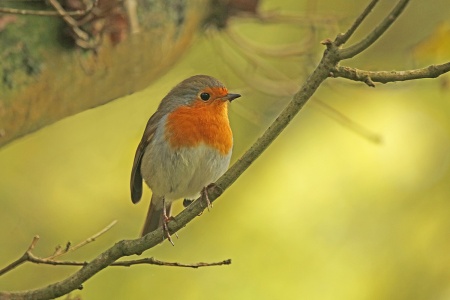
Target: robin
{"points": [[186, 146]]}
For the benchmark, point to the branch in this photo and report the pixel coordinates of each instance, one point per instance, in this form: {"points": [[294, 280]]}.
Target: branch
{"points": [[369, 77], [22, 259], [343, 38], [91, 239], [29, 256], [137, 246], [49, 13], [376, 33], [127, 263], [153, 261], [328, 64], [70, 21]]}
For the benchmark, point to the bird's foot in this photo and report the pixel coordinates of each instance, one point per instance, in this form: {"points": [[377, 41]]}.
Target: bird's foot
{"points": [[166, 220], [166, 229], [205, 194]]}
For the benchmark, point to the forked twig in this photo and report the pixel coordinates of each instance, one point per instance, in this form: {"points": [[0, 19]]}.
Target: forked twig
{"points": [[287, 87], [29, 256], [376, 33], [343, 37], [91, 239], [50, 260], [22, 259]]}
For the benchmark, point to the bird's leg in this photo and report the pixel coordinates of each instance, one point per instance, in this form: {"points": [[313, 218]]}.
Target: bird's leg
{"points": [[204, 194], [165, 221], [206, 197]]}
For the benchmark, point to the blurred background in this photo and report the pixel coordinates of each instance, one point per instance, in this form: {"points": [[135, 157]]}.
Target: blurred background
{"points": [[327, 212]]}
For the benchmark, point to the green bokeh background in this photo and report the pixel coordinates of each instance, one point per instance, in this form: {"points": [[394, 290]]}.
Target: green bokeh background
{"points": [[323, 214]]}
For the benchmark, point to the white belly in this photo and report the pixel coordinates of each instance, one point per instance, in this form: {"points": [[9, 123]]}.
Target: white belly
{"points": [[182, 173]]}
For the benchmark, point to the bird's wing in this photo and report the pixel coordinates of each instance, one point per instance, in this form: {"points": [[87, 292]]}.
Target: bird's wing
{"points": [[136, 176]]}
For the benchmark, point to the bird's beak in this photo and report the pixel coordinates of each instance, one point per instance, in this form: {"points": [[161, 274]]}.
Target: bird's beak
{"points": [[231, 97]]}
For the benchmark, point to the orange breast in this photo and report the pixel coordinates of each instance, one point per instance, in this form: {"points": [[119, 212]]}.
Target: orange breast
{"points": [[202, 122]]}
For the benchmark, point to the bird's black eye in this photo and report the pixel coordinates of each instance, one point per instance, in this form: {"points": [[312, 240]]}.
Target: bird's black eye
{"points": [[205, 96]]}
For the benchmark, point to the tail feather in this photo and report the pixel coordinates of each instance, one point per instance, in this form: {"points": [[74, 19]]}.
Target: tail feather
{"points": [[155, 215]]}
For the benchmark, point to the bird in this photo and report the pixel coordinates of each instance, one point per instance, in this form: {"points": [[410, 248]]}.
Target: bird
{"points": [[186, 146]]}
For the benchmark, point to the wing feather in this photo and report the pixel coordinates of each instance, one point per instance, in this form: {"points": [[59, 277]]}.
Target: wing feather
{"points": [[136, 176]]}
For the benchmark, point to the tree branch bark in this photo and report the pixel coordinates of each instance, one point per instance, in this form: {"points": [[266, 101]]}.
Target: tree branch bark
{"points": [[343, 38], [369, 77], [376, 33], [28, 256]]}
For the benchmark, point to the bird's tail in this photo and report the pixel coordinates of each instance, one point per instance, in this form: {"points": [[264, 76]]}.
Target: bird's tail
{"points": [[155, 215]]}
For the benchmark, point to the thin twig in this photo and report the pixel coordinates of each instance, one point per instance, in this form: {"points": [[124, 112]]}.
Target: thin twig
{"points": [[369, 77], [29, 256], [271, 51], [347, 122], [343, 37], [85, 242], [44, 261], [25, 257], [376, 32], [48, 13], [128, 263], [69, 20], [285, 86], [271, 17], [43, 13], [33, 243], [277, 88], [153, 261]]}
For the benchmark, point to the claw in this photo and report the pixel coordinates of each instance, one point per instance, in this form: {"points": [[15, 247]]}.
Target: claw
{"points": [[206, 197], [165, 227], [166, 232]]}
